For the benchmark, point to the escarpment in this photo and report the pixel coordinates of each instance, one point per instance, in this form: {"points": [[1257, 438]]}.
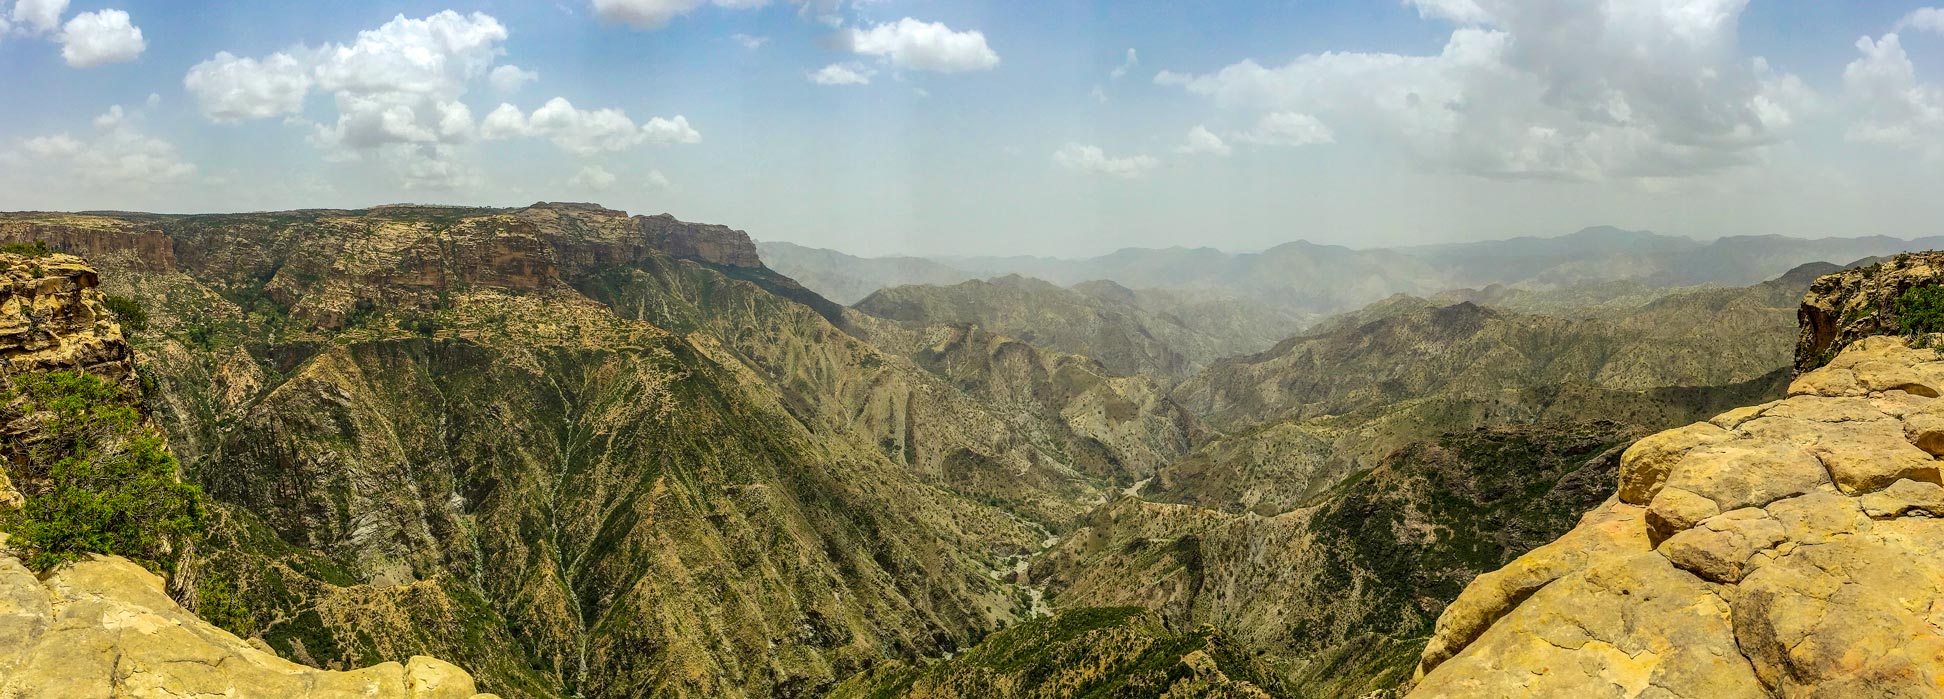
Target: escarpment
{"points": [[103, 625], [1789, 549]]}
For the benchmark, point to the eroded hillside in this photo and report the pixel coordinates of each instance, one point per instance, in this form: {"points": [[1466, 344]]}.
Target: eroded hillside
{"points": [[580, 451]]}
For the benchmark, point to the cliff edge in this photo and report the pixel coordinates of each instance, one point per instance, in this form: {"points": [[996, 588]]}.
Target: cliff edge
{"points": [[1789, 549]]}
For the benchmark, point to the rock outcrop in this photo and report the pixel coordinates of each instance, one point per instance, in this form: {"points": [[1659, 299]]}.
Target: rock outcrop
{"points": [[1855, 303], [1786, 549], [105, 628], [52, 318]]}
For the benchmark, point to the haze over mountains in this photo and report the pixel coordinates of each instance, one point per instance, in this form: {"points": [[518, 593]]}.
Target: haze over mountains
{"points": [[581, 453], [1310, 281]]}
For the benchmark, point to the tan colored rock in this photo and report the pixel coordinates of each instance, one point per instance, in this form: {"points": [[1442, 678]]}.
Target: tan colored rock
{"points": [[104, 627], [1806, 586], [1721, 548], [1747, 472], [1629, 625], [1614, 529], [1905, 497], [1855, 617], [1860, 454], [1676, 510], [1644, 466]]}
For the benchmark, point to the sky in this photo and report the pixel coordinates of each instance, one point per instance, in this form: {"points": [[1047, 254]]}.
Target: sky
{"points": [[1066, 128]]}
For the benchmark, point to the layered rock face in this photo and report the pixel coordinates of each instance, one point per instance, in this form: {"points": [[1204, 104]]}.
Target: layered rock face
{"points": [[105, 628], [1785, 549], [1856, 303], [51, 318]]}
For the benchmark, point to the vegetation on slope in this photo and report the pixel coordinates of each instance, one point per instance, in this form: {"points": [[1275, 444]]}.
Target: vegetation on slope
{"points": [[96, 477], [1085, 653]]}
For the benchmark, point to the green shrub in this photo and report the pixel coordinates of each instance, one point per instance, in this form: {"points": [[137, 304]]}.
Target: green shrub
{"points": [[128, 311], [1921, 310], [33, 248], [101, 481]]}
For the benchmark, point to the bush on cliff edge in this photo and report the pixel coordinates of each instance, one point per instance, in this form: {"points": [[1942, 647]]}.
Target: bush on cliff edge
{"points": [[98, 480]]}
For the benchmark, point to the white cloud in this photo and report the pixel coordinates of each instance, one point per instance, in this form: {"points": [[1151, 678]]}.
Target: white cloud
{"points": [[1929, 19], [99, 38], [434, 56], [1201, 141], [655, 14], [749, 42], [1461, 11], [909, 44], [1538, 88], [585, 132], [508, 79], [843, 74], [1120, 71], [1898, 109], [1090, 159], [229, 88], [658, 181], [38, 16], [1288, 129], [120, 156], [593, 177], [398, 93]]}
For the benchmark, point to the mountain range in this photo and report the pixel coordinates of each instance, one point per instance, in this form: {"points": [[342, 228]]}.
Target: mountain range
{"points": [[577, 452]]}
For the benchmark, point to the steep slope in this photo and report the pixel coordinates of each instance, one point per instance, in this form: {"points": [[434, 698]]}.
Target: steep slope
{"points": [[1100, 320], [102, 625], [1784, 549], [581, 452], [1119, 652]]}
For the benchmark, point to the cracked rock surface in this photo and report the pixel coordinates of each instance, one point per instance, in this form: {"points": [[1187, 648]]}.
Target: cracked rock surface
{"points": [[104, 629], [1789, 549]]}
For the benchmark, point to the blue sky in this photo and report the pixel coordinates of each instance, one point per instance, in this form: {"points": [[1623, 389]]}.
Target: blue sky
{"points": [[928, 126]]}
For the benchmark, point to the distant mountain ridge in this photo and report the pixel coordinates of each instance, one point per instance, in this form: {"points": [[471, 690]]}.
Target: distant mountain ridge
{"points": [[1316, 280]]}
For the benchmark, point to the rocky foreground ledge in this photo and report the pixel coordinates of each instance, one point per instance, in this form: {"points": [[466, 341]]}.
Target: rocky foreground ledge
{"points": [[1787, 549], [103, 628]]}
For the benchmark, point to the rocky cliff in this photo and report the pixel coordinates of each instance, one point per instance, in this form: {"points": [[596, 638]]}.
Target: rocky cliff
{"points": [[1855, 303], [582, 452], [1783, 549], [106, 628]]}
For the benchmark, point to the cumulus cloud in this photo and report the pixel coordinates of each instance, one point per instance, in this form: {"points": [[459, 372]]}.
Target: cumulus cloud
{"points": [[655, 14], [118, 156], [1201, 141], [229, 88], [1928, 19], [1897, 109], [749, 42], [99, 38], [585, 132], [843, 74], [38, 16], [1538, 88], [1288, 129], [1092, 160], [508, 79], [593, 177], [909, 44], [398, 91]]}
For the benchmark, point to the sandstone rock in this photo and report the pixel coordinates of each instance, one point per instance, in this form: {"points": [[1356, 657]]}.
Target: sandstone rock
{"points": [[1855, 305], [104, 627], [1802, 585], [1905, 497], [1644, 467], [1721, 547]]}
